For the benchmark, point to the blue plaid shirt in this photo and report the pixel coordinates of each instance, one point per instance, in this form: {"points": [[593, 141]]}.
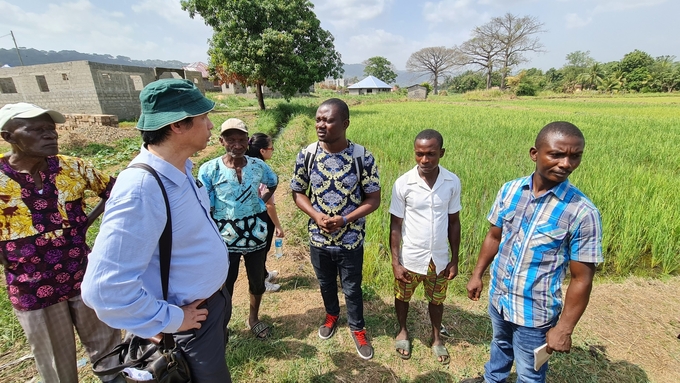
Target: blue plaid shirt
{"points": [[540, 235]]}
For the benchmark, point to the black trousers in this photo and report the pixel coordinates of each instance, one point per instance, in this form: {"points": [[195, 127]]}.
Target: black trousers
{"points": [[205, 348]]}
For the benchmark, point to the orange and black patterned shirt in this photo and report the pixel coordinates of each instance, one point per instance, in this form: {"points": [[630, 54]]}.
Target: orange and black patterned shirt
{"points": [[42, 232]]}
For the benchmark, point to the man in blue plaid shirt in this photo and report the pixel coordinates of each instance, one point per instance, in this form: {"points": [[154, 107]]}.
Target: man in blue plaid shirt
{"points": [[540, 225]]}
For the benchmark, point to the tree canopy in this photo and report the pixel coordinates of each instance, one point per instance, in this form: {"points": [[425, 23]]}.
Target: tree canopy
{"points": [[502, 43], [381, 68], [275, 43], [435, 61], [517, 35]]}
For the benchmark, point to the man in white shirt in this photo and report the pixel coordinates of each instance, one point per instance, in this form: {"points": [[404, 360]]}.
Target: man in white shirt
{"points": [[424, 224]]}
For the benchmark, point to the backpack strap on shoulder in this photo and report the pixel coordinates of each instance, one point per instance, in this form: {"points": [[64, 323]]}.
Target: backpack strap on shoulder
{"points": [[358, 159], [310, 156]]}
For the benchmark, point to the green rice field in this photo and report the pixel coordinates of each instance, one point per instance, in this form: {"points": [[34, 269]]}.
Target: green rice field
{"points": [[630, 168]]}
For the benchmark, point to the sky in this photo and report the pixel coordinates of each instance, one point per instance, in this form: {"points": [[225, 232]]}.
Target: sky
{"points": [[160, 29]]}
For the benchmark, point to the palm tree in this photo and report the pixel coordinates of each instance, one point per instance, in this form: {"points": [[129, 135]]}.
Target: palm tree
{"points": [[609, 85], [592, 77], [620, 77]]}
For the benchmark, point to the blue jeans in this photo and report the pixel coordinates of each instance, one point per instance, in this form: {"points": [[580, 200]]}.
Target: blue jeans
{"points": [[327, 263], [516, 343]]}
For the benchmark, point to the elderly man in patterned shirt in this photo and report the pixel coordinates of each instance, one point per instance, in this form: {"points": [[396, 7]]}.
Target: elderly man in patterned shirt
{"points": [[42, 240], [540, 226]]}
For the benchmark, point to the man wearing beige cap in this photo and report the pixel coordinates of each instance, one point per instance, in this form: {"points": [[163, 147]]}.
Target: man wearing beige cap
{"points": [[123, 280], [232, 182], [42, 241]]}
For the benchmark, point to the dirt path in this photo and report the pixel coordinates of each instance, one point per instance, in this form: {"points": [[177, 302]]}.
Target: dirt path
{"points": [[628, 333]]}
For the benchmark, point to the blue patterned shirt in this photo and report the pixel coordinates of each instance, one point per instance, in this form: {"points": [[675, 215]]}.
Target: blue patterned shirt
{"points": [[335, 190], [236, 206], [540, 235]]}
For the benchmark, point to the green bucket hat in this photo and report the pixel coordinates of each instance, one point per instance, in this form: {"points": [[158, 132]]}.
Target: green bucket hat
{"points": [[170, 100]]}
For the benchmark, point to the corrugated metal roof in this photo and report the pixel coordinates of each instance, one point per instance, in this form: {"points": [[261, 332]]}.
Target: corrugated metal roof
{"points": [[198, 67], [370, 82]]}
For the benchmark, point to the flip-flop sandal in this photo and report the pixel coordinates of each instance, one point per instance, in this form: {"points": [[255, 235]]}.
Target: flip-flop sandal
{"points": [[403, 345], [441, 351], [261, 330]]}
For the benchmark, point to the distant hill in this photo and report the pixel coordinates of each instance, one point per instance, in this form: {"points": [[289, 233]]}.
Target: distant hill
{"points": [[32, 56], [404, 78]]}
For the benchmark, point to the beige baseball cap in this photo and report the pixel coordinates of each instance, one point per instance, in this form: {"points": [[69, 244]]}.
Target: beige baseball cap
{"points": [[233, 123], [26, 110]]}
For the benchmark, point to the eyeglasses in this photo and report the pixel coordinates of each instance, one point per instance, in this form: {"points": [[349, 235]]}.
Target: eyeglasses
{"points": [[272, 149]]}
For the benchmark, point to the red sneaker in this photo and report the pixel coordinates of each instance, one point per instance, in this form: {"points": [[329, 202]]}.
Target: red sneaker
{"points": [[328, 329], [363, 345]]}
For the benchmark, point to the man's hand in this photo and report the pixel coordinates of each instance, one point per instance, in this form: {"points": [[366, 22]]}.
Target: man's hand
{"points": [[400, 273], [450, 271], [558, 340], [193, 316], [474, 288], [330, 224], [321, 220], [278, 232]]}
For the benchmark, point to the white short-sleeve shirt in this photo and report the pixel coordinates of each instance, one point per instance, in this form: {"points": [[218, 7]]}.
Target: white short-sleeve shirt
{"points": [[425, 212]]}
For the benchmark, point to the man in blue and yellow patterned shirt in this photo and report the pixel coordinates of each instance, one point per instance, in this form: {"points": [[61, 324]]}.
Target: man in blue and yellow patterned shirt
{"points": [[341, 195], [540, 225]]}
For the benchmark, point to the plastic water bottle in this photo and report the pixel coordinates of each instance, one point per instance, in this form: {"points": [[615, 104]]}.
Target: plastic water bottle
{"points": [[278, 244]]}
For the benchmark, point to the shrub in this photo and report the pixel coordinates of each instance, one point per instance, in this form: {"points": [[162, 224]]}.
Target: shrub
{"points": [[525, 89], [428, 88]]}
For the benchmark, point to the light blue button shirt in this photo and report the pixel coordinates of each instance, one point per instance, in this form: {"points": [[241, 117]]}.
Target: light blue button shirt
{"points": [[122, 283], [540, 236]]}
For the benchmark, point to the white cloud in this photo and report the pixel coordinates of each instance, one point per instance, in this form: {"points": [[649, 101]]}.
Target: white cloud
{"points": [[171, 12], [506, 3], [349, 13], [607, 6], [575, 21], [451, 10], [87, 26], [64, 21], [377, 42]]}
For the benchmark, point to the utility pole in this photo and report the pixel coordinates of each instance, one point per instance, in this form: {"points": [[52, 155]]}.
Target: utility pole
{"points": [[17, 48]]}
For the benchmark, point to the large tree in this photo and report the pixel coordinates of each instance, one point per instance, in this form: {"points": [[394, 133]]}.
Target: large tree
{"points": [[516, 35], [275, 43], [381, 68], [501, 43], [435, 61], [481, 51], [636, 65]]}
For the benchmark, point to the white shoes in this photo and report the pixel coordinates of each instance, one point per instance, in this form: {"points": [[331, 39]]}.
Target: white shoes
{"points": [[272, 274], [271, 287]]}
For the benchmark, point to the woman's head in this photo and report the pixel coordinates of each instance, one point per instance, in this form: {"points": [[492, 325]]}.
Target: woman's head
{"points": [[260, 146]]}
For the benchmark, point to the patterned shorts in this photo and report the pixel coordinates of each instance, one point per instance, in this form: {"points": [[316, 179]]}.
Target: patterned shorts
{"points": [[435, 286]]}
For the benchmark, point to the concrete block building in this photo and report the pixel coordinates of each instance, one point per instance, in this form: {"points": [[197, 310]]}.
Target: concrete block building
{"points": [[84, 87], [417, 92]]}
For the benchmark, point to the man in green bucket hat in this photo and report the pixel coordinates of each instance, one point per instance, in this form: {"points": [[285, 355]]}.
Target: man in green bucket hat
{"points": [[122, 282]]}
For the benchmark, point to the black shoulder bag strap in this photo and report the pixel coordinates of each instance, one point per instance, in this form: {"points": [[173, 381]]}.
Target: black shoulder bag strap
{"points": [[165, 247]]}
